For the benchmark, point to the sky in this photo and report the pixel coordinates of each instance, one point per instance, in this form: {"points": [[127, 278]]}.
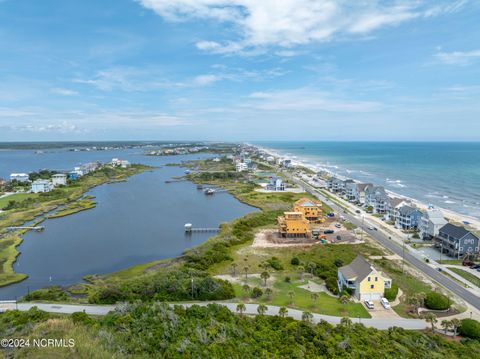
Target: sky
{"points": [[239, 70]]}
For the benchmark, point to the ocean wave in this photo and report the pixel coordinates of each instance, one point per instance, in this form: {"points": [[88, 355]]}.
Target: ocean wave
{"points": [[449, 202]]}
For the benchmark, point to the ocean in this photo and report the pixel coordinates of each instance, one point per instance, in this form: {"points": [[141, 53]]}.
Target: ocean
{"points": [[444, 174]]}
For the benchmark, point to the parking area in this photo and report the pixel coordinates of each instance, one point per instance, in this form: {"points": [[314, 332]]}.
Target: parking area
{"points": [[380, 312]]}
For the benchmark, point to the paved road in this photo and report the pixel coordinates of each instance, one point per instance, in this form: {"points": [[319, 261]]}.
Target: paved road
{"points": [[446, 282], [380, 323]]}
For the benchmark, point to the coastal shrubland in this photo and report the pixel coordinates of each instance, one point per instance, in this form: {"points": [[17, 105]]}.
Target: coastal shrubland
{"points": [[142, 330]]}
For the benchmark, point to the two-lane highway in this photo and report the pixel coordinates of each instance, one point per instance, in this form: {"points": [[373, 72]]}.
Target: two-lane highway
{"points": [[432, 273]]}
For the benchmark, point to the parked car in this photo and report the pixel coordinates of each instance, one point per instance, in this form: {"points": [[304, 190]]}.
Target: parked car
{"points": [[338, 225], [375, 228], [385, 303], [370, 228], [328, 231], [369, 304], [357, 211]]}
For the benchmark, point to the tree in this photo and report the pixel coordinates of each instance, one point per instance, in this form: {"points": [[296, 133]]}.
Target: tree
{"points": [[307, 317], [291, 294], [311, 267], [282, 312], [346, 322], [470, 328], [338, 263], [265, 275], [262, 309], [416, 301], [344, 299], [268, 293], [295, 261], [301, 270], [241, 308], [256, 292], [246, 288], [314, 297], [455, 324], [432, 319], [234, 269], [446, 324], [245, 269]]}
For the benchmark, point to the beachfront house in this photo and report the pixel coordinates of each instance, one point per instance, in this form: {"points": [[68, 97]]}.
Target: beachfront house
{"points": [[394, 203], [377, 198], [456, 241], [293, 224], [310, 209], [360, 191], [41, 186], [335, 185], [430, 223], [407, 217], [275, 184], [19, 177], [363, 279], [59, 179], [350, 190]]}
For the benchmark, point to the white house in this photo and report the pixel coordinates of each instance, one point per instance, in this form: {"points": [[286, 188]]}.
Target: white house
{"points": [[59, 179], [430, 223], [20, 177], [241, 166], [120, 163], [275, 184], [360, 192], [41, 186]]}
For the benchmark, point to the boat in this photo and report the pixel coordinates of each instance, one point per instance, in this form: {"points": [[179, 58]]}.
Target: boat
{"points": [[187, 172], [199, 186], [209, 191]]}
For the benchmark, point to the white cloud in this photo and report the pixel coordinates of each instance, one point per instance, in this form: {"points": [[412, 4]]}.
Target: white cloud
{"points": [[305, 99], [64, 92], [458, 57], [62, 127], [203, 80], [295, 22]]}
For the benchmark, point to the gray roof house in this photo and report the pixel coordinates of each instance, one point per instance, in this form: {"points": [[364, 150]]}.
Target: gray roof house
{"points": [[456, 241], [377, 198], [430, 223], [407, 217]]}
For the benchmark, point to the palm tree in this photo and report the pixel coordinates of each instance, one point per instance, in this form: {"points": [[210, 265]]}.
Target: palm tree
{"points": [[245, 269], [301, 269], [307, 317], [241, 308], [455, 324], [314, 297], [246, 288], [234, 269], [291, 294], [346, 322], [446, 324], [283, 312], [344, 299], [265, 275], [262, 309], [311, 267], [432, 319], [416, 301], [268, 293]]}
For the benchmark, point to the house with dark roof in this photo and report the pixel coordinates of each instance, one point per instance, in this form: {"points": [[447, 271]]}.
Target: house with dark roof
{"points": [[366, 282], [407, 217], [377, 198], [360, 191], [456, 241]]}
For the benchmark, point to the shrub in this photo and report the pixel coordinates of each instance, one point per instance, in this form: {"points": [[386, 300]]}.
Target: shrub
{"points": [[275, 263], [54, 294], [295, 261], [287, 279], [437, 301], [331, 284], [338, 263], [470, 328], [391, 293], [257, 292], [82, 317]]}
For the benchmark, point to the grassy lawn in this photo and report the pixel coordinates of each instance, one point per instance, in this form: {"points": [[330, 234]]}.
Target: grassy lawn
{"points": [[472, 278], [16, 197], [302, 299]]}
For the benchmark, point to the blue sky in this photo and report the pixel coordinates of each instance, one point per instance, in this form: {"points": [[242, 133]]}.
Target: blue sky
{"points": [[239, 70]]}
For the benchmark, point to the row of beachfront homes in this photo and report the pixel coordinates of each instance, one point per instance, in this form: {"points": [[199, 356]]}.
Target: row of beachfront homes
{"points": [[453, 240], [297, 222], [60, 179]]}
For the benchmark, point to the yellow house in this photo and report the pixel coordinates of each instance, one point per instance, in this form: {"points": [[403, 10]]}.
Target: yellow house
{"points": [[310, 209], [293, 224], [364, 279]]}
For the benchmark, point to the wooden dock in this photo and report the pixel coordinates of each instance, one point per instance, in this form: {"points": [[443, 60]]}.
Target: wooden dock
{"points": [[197, 230], [36, 228]]}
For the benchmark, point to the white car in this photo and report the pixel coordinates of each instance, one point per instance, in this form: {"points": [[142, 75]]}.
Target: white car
{"points": [[370, 228], [338, 225], [369, 304], [385, 303]]}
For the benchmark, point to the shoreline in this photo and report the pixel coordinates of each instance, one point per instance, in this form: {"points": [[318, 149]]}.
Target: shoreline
{"points": [[474, 222]]}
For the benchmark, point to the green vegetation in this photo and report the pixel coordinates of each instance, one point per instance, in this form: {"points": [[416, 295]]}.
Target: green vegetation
{"points": [[83, 204], [8, 254], [50, 294], [472, 278], [437, 301], [470, 328], [391, 293], [143, 330]]}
